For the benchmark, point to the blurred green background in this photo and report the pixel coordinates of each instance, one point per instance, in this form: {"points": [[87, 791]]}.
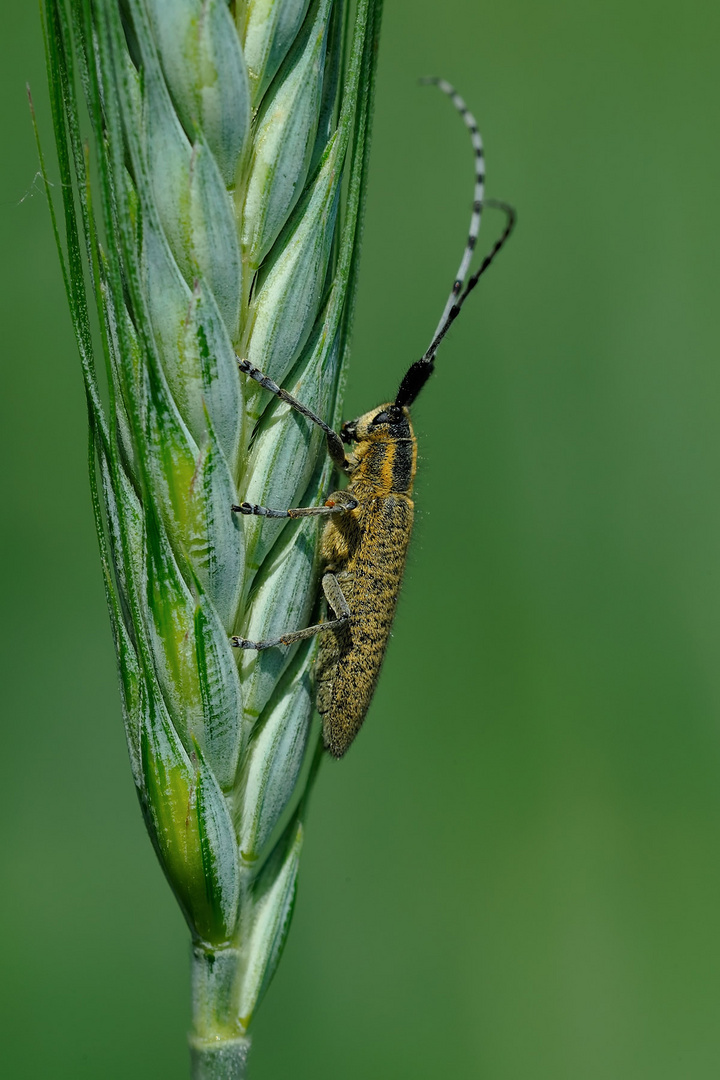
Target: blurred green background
{"points": [[515, 875]]}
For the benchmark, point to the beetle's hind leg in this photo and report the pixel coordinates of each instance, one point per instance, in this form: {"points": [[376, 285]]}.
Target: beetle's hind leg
{"points": [[335, 598]]}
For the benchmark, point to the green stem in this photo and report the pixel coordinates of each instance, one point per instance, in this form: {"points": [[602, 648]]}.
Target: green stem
{"points": [[218, 1045]]}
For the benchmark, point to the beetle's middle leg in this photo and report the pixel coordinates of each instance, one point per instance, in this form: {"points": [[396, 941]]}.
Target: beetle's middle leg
{"points": [[337, 503], [335, 598]]}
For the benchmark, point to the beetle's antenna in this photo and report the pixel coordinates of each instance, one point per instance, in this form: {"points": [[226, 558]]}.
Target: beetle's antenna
{"points": [[419, 372], [511, 218], [475, 138]]}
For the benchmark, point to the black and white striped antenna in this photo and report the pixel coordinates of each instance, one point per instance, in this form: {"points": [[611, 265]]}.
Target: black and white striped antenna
{"points": [[416, 377], [475, 138]]}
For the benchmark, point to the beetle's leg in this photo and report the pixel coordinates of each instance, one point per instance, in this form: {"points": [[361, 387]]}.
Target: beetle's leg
{"points": [[335, 444], [335, 598], [338, 503]]}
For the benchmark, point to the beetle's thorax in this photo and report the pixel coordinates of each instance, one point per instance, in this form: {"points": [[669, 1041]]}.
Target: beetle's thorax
{"points": [[384, 454]]}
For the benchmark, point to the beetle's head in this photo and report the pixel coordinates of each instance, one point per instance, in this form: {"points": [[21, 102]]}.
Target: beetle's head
{"points": [[385, 423]]}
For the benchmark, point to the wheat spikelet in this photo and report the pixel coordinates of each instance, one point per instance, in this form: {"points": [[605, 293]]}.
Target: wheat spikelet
{"points": [[216, 212]]}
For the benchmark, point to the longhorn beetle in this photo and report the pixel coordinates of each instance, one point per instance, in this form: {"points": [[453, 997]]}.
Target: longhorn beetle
{"points": [[365, 540]]}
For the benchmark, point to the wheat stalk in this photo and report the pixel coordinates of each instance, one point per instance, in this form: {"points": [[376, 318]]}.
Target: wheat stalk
{"points": [[215, 210]]}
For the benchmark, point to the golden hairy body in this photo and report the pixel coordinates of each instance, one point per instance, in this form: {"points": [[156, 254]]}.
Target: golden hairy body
{"points": [[365, 549]]}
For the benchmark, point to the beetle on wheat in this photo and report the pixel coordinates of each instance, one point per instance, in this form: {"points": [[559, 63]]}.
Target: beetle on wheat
{"points": [[366, 538]]}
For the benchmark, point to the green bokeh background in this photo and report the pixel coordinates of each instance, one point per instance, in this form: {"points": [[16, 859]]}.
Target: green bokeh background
{"points": [[515, 874]]}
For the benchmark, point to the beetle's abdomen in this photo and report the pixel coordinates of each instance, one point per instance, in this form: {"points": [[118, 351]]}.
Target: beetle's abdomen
{"points": [[349, 659]]}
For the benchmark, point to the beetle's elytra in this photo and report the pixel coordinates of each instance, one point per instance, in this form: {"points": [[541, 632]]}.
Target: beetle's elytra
{"points": [[366, 537]]}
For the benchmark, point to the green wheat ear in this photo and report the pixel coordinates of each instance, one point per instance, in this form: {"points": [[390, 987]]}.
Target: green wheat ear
{"points": [[213, 162]]}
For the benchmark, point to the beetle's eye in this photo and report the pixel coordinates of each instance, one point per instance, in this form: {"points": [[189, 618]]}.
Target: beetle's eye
{"points": [[382, 418]]}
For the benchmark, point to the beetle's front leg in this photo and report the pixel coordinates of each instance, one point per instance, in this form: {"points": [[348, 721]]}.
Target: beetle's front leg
{"points": [[334, 442]]}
